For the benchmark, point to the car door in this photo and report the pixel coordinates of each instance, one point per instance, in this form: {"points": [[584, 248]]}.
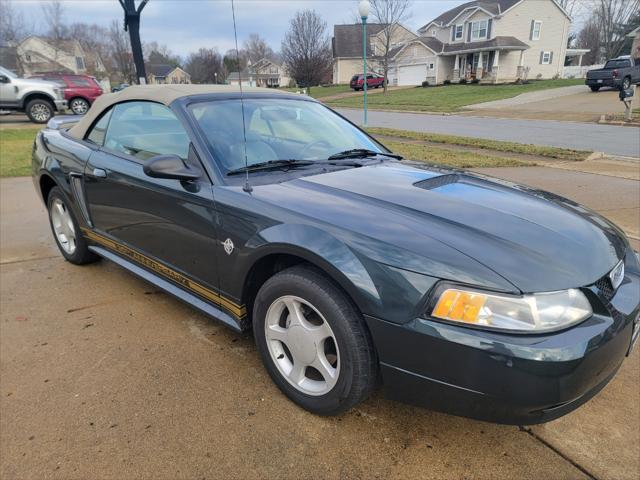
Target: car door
{"points": [[164, 220]]}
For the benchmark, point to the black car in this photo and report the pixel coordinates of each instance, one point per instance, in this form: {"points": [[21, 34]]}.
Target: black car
{"points": [[268, 210]]}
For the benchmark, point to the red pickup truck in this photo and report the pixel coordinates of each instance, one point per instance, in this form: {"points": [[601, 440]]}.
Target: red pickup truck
{"points": [[79, 90], [373, 81]]}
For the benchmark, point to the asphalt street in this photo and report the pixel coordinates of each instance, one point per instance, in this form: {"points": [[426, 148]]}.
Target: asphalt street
{"points": [[610, 139], [103, 376]]}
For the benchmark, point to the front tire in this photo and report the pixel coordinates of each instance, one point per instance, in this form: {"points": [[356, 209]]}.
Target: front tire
{"points": [[66, 231], [79, 106], [313, 341], [626, 83], [39, 110]]}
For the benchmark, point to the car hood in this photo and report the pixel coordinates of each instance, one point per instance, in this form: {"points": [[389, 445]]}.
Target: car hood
{"points": [[535, 240]]}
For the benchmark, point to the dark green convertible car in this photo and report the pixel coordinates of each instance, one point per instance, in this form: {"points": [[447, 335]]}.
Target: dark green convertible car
{"points": [[353, 267]]}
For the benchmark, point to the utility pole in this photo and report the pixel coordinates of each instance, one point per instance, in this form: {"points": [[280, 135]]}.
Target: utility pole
{"points": [[132, 24]]}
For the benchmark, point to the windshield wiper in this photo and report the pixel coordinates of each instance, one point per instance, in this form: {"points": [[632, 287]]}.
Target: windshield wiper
{"points": [[291, 163], [360, 153]]}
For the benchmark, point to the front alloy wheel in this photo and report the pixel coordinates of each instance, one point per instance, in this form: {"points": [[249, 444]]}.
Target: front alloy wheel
{"points": [[313, 341], [39, 111], [302, 345], [626, 83]]}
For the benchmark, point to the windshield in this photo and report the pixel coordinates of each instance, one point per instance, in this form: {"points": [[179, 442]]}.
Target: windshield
{"points": [[276, 129], [617, 64], [7, 73]]}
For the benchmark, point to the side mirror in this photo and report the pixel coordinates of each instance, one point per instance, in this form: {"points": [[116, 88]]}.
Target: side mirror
{"points": [[4, 79], [170, 166]]}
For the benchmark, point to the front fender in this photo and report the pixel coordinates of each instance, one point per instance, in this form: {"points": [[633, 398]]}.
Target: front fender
{"points": [[376, 289]]}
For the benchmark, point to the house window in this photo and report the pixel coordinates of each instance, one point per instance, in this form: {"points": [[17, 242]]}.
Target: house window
{"points": [[535, 32], [431, 66], [28, 57], [459, 32], [479, 30], [546, 58], [79, 63], [433, 32]]}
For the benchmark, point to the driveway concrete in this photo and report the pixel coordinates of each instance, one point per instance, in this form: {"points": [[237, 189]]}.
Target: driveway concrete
{"points": [[576, 103], [103, 376], [610, 139]]}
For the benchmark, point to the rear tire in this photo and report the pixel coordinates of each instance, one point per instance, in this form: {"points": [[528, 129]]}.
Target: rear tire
{"points": [[325, 331], [66, 231], [39, 110], [594, 88]]}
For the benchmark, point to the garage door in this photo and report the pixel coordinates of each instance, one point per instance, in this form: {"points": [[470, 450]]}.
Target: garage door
{"points": [[412, 74]]}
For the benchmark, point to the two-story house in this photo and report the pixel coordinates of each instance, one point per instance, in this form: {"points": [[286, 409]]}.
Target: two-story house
{"points": [[263, 73], [347, 45], [490, 40], [39, 54]]}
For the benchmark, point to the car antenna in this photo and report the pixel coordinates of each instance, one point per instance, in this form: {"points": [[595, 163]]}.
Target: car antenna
{"points": [[247, 188]]}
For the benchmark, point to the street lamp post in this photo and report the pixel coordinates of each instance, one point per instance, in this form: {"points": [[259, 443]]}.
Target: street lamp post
{"points": [[363, 9]]}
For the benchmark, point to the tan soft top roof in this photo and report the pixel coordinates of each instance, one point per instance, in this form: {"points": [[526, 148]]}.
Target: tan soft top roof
{"points": [[164, 94]]}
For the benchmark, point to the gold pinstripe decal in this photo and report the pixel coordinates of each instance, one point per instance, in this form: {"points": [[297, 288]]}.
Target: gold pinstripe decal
{"points": [[239, 311]]}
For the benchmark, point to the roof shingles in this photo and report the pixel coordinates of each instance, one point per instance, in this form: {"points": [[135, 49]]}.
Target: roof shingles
{"points": [[347, 39]]}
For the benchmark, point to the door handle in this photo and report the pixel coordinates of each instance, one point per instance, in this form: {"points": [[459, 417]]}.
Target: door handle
{"points": [[100, 173]]}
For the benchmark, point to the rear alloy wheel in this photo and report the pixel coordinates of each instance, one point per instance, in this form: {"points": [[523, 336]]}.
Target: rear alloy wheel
{"points": [[313, 341], [79, 106], [66, 231], [626, 83], [39, 110]]}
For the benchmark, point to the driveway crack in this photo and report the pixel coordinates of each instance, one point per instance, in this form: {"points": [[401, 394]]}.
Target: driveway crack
{"points": [[528, 430]]}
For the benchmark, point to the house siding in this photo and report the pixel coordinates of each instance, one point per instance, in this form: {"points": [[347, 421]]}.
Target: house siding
{"points": [[553, 34]]}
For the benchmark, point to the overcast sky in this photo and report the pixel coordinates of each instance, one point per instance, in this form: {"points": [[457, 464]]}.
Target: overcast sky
{"points": [[186, 25]]}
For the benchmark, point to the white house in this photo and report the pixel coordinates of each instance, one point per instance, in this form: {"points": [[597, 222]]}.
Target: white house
{"points": [[39, 54], [263, 73], [489, 40]]}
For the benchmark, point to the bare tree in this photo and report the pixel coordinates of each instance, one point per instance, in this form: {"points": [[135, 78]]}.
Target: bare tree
{"points": [[160, 54], [12, 24], [569, 6], [306, 48], [121, 52], [57, 31], [613, 21], [94, 41], [257, 48], [205, 66], [589, 37], [389, 13], [230, 61]]}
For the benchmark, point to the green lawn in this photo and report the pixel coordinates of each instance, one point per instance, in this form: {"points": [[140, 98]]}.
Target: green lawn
{"points": [[15, 151], [449, 98], [452, 158], [483, 144], [321, 92]]}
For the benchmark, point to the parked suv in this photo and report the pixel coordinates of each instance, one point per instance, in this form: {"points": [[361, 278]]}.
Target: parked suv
{"points": [[39, 99], [373, 81], [618, 72], [79, 90]]}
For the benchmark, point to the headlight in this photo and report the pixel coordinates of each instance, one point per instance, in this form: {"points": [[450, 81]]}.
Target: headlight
{"points": [[530, 313]]}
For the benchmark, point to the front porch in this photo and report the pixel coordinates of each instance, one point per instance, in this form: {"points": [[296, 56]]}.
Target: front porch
{"points": [[490, 66]]}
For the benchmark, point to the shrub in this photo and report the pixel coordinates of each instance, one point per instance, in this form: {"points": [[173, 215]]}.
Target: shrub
{"points": [[463, 81], [475, 80], [556, 76], [539, 76], [425, 83], [447, 82]]}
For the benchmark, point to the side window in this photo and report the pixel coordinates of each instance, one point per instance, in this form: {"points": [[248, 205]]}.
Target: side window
{"points": [[145, 129], [96, 135]]}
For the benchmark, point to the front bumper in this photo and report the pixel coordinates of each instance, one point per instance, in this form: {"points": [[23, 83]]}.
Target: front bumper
{"points": [[60, 105], [506, 378]]}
